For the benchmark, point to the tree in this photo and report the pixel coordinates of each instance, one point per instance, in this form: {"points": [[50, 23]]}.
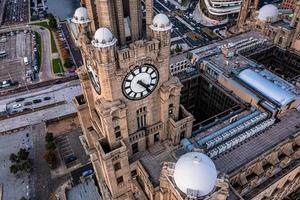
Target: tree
{"points": [[68, 63], [50, 146], [52, 22], [23, 154], [14, 169], [23, 198], [49, 137], [25, 166], [13, 157], [50, 157]]}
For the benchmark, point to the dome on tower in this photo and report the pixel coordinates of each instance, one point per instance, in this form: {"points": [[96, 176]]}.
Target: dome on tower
{"points": [[80, 16], [161, 23], [268, 12], [196, 172], [103, 38]]}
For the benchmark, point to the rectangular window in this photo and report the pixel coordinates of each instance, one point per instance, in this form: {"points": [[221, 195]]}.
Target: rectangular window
{"points": [[182, 135], [135, 148], [117, 166], [156, 137], [133, 173], [141, 117], [120, 180], [117, 132]]}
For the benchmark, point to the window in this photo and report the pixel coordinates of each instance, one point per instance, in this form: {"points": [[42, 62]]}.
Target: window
{"points": [[171, 109], [133, 173], [182, 135], [141, 117], [117, 132], [120, 180], [156, 137], [135, 148], [117, 166]]}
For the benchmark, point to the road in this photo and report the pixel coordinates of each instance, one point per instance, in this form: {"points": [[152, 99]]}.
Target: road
{"points": [[46, 64], [74, 50]]}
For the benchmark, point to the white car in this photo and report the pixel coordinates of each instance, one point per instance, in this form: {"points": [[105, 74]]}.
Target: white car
{"points": [[18, 105]]}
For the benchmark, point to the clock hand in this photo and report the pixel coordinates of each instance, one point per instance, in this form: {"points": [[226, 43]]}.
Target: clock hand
{"points": [[146, 86]]}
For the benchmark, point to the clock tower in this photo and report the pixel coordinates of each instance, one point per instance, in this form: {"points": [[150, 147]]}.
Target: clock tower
{"points": [[130, 101]]}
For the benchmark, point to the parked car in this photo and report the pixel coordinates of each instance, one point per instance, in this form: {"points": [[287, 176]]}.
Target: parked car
{"points": [[70, 159], [47, 98], [17, 105], [28, 103], [20, 99], [87, 173], [37, 101]]}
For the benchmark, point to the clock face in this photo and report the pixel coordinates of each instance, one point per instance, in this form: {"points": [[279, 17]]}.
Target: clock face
{"points": [[93, 76], [140, 82]]}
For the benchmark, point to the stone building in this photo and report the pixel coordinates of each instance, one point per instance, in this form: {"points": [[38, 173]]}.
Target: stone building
{"points": [[130, 105], [271, 22], [140, 138], [289, 4]]}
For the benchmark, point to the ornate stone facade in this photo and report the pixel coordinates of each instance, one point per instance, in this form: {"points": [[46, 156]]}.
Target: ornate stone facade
{"points": [[266, 20], [115, 127]]}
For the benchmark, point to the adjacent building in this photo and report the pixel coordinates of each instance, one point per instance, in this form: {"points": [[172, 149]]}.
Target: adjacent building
{"points": [[271, 22], [219, 9], [289, 4]]}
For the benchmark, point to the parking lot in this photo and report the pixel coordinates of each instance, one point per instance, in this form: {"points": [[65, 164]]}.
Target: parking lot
{"points": [[16, 12], [70, 148], [19, 50], [14, 186]]}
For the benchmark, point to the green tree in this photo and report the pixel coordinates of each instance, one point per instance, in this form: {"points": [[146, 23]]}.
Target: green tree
{"points": [[52, 22], [25, 166], [23, 154], [13, 157], [50, 146], [14, 169], [49, 137], [68, 63], [51, 159]]}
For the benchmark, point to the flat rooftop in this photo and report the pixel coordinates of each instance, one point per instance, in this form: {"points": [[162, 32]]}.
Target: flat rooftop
{"points": [[83, 191], [232, 160], [215, 48], [153, 159]]}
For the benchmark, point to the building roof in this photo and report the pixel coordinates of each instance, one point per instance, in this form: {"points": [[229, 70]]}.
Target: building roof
{"points": [[86, 190], [161, 23], [243, 154], [80, 16], [266, 87], [195, 171], [268, 12], [104, 38]]}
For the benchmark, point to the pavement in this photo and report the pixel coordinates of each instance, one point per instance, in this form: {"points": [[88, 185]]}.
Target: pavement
{"points": [[40, 186], [14, 186]]}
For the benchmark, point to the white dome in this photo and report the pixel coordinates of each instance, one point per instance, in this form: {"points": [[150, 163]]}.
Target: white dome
{"points": [[268, 12], [197, 172], [161, 23], [103, 38], [80, 16]]}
